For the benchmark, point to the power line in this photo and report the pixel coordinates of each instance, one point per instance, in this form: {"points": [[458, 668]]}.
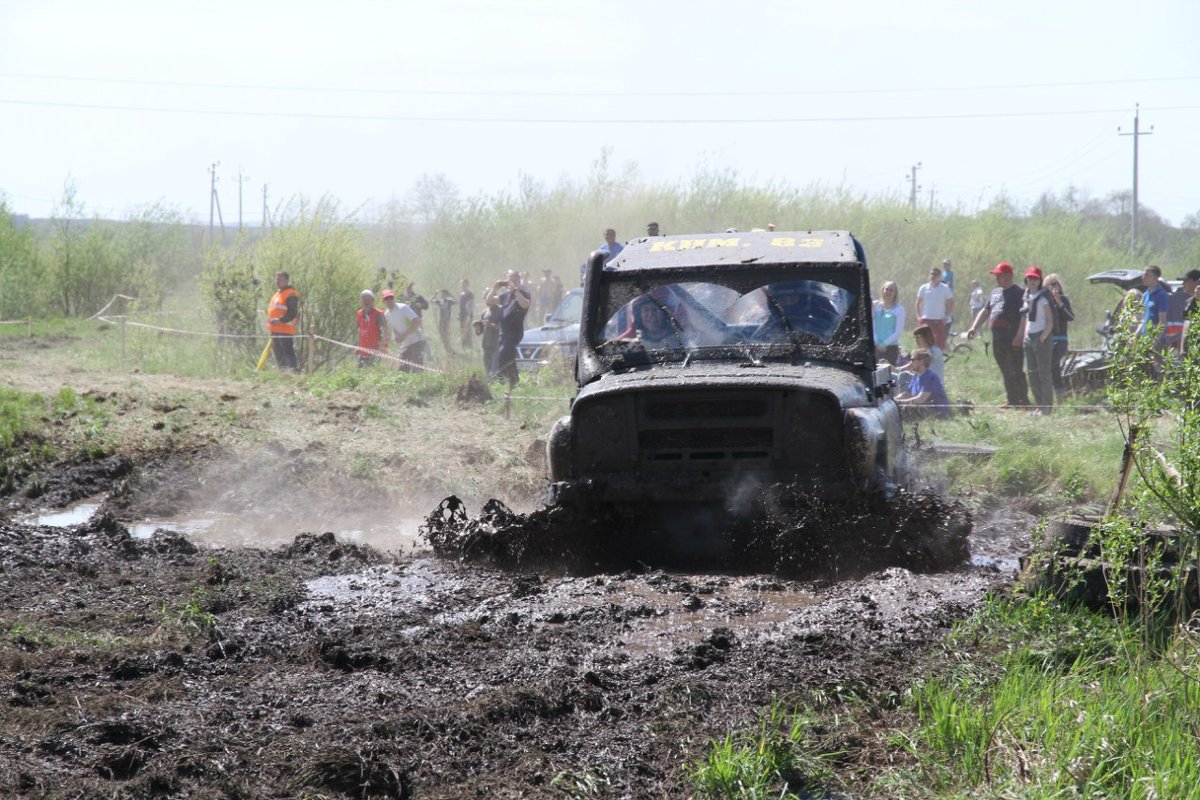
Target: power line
{"points": [[586, 93], [579, 120]]}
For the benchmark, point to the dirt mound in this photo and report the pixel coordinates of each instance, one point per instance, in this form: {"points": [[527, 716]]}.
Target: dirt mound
{"points": [[474, 392], [65, 485], [789, 532]]}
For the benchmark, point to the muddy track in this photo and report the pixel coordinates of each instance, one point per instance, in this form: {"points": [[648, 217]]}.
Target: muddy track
{"points": [[151, 668]]}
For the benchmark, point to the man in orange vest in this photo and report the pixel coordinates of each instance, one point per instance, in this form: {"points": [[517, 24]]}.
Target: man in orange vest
{"points": [[282, 314], [371, 325]]}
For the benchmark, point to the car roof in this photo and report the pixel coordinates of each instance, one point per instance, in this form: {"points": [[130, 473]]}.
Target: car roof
{"points": [[816, 248], [1126, 279]]}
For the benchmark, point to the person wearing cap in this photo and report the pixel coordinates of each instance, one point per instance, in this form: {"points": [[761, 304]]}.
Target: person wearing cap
{"points": [[1037, 326], [282, 313], [405, 327], [371, 326], [935, 306], [1154, 301], [1191, 306], [652, 229], [1003, 312]]}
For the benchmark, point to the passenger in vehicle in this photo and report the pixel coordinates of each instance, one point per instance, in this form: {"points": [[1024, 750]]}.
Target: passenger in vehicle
{"points": [[803, 310]]}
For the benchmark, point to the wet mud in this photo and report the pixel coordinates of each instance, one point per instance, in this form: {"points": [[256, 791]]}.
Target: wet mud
{"points": [[507, 666]]}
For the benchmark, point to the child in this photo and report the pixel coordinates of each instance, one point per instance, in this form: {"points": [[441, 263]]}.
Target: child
{"points": [[923, 334], [924, 394]]}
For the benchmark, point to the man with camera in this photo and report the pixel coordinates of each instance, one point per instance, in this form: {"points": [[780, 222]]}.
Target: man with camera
{"points": [[513, 303]]}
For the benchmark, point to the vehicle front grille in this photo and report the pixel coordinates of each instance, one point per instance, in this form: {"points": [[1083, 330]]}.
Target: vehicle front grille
{"points": [[708, 432]]}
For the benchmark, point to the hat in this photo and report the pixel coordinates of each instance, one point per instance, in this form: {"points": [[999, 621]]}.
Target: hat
{"points": [[1034, 272], [1003, 268], [367, 293], [386, 294], [1191, 275], [651, 224], [945, 262]]}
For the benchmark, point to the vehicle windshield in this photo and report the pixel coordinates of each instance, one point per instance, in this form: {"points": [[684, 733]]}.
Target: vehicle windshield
{"points": [[570, 309], [777, 316]]}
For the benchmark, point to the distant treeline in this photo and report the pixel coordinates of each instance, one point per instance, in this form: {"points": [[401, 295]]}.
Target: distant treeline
{"points": [[70, 265]]}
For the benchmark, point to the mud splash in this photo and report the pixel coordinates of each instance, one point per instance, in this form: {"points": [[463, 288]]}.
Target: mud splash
{"points": [[789, 533]]}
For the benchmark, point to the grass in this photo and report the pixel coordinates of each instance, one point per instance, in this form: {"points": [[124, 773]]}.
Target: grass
{"points": [[776, 760], [1052, 702]]}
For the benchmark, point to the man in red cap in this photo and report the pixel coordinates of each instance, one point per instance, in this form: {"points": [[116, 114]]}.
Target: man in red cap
{"points": [[1003, 312], [1037, 325]]}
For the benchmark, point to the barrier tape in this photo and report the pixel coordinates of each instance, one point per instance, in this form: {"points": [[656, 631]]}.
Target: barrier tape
{"points": [[125, 321], [380, 354], [114, 299], [16, 321]]}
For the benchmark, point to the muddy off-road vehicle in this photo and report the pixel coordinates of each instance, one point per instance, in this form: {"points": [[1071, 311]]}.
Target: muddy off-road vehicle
{"points": [[713, 365]]}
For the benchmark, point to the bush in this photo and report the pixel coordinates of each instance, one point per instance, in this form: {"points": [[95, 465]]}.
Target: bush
{"points": [[328, 261]]}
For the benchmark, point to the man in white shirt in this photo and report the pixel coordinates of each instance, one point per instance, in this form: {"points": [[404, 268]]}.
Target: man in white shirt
{"points": [[935, 305], [405, 326]]}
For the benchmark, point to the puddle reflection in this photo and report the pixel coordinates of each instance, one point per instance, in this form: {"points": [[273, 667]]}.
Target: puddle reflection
{"points": [[215, 529]]}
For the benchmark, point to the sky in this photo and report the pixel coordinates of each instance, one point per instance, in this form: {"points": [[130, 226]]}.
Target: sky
{"points": [[133, 102]]}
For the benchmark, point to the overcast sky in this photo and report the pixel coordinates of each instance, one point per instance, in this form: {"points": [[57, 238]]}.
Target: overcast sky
{"points": [[134, 101]]}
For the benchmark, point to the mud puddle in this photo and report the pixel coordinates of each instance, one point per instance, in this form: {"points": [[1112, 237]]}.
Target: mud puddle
{"points": [[215, 529]]}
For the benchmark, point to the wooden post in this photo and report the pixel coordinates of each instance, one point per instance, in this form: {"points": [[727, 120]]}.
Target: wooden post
{"points": [[310, 355], [1126, 468], [123, 338], [29, 324], [507, 404]]}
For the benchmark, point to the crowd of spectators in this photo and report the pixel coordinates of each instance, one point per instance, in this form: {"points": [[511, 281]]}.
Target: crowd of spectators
{"points": [[1028, 325]]}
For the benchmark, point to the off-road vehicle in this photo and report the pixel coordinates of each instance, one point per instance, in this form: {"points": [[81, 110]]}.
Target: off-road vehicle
{"points": [[712, 365]]}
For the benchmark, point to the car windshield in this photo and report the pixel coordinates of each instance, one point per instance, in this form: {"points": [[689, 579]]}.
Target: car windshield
{"points": [[707, 319], [570, 309]]}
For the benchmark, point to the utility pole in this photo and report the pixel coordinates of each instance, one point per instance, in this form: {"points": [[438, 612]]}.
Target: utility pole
{"points": [[212, 197], [1135, 134], [241, 179], [266, 217], [913, 187]]}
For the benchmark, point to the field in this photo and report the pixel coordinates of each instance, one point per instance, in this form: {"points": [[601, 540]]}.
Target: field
{"points": [[307, 645]]}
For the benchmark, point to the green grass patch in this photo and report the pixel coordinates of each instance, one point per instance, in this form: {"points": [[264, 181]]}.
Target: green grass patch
{"points": [[778, 759], [1047, 701]]}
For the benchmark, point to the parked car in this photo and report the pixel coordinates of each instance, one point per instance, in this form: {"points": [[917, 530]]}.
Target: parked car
{"points": [[555, 341], [1087, 370]]}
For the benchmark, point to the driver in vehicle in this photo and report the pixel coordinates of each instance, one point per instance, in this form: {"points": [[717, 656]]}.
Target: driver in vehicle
{"points": [[653, 327]]}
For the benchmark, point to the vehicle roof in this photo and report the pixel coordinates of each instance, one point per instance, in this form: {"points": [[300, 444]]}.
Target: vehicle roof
{"points": [[1126, 279], [817, 248]]}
